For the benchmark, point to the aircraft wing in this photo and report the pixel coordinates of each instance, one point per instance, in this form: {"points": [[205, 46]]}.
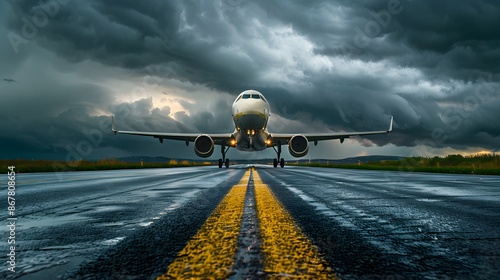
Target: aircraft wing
{"points": [[280, 138], [219, 139]]}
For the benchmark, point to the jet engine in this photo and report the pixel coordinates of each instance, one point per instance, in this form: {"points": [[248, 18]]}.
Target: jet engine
{"points": [[204, 146], [298, 146]]}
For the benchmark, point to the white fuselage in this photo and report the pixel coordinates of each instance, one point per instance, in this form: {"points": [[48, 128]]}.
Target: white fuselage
{"points": [[250, 115]]}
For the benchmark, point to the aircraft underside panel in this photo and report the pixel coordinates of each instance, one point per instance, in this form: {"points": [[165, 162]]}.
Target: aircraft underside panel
{"points": [[247, 144]]}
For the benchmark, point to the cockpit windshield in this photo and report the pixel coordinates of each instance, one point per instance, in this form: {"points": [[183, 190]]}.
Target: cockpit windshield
{"points": [[251, 96]]}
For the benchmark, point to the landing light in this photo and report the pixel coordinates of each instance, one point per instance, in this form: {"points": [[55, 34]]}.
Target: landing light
{"points": [[233, 142]]}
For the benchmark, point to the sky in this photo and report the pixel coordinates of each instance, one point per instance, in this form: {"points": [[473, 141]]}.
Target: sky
{"points": [[67, 66]]}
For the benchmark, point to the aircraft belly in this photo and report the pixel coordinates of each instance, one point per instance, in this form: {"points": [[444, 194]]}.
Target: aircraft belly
{"points": [[257, 143], [245, 148], [251, 121]]}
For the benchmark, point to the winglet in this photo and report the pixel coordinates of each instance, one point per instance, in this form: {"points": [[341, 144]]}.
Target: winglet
{"points": [[113, 125], [390, 126]]}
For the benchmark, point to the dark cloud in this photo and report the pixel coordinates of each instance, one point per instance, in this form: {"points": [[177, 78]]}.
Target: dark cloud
{"points": [[329, 65]]}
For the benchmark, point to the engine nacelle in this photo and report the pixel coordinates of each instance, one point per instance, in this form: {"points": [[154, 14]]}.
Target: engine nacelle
{"points": [[204, 146], [298, 146]]}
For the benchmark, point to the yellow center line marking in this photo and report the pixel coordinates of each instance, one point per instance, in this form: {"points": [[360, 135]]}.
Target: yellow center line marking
{"points": [[287, 251], [210, 253]]}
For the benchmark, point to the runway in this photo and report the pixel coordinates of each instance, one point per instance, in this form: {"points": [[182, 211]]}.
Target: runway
{"points": [[255, 223]]}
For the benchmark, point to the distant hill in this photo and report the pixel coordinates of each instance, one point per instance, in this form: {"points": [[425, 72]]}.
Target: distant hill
{"points": [[376, 158], [146, 159]]}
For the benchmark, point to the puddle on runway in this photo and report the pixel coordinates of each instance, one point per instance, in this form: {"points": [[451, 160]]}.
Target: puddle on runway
{"points": [[113, 241], [107, 208], [28, 222], [428, 200]]}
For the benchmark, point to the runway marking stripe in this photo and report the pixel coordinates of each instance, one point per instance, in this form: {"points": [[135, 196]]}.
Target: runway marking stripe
{"points": [[210, 253], [287, 251]]}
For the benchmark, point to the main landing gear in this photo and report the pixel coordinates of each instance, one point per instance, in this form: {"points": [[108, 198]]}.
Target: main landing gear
{"points": [[278, 154], [224, 160]]}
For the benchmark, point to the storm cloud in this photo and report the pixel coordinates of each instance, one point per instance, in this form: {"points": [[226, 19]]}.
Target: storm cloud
{"points": [[177, 65]]}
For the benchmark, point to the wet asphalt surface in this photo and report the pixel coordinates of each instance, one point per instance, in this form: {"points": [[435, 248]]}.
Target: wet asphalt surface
{"points": [[130, 224]]}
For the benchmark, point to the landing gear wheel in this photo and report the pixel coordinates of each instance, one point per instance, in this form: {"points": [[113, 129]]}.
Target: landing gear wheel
{"points": [[278, 156], [224, 160]]}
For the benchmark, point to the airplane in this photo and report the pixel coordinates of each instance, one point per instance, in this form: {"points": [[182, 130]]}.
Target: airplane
{"points": [[251, 112]]}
